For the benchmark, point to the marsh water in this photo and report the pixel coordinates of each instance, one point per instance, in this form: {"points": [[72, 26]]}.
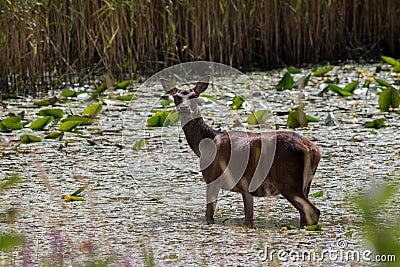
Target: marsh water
{"points": [[148, 205]]}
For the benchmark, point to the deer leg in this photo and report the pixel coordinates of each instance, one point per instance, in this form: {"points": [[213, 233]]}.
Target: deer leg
{"points": [[210, 211], [248, 209], [309, 214]]}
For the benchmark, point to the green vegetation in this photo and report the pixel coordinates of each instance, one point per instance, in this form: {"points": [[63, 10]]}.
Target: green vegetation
{"points": [[49, 44]]}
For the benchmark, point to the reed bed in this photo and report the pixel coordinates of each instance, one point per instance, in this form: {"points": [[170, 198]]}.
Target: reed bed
{"points": [[51, 43]]}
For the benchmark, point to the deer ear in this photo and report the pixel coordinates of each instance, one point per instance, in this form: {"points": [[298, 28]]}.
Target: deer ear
{"points": [[169, 87], [202, 85]]}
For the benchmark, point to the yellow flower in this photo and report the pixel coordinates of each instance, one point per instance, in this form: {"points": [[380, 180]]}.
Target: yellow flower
{"points": [[398, 74], [370, 79], [390, 109], [284, 229], [325, 78], [209, 114], [354, 115], [355, 104], [396, 150], [234, 107], [360, 71], [67, 198], [338, 100]]}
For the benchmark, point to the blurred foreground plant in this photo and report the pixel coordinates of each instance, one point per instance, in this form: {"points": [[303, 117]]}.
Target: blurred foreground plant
{"points": [[382, 233], [9, 240]]}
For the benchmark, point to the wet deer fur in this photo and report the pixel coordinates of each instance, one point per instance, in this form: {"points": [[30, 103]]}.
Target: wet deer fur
{"points": [[293, 159]]}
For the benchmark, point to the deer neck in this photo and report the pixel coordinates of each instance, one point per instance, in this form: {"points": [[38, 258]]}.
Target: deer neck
{"points": [[196, 129]]}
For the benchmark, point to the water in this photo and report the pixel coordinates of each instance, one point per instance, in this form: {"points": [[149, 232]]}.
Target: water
{"points": [[152, 202]]}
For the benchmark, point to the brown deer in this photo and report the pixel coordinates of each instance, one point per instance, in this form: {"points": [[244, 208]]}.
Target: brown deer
{"points": [[253, 164]]}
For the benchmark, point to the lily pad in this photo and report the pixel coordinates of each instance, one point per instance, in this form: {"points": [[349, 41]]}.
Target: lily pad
{"points": [[293, 70], [83, 120], [12, 123], [54, 112], [162, 118], [258, 117], [125, 97], [351, 87], [28, 138], [69, 125], [383, 82], [124, 84], [297, 118], [237, 102], [390, 60], [101, 88], [92, 110], [321, 72], [139, 144], [69, 93], [318, 194], [46, 102], [338, 90], [377, 123], [55, 135], [316, 227], [40, 123], [286, 82], [389, 98]]}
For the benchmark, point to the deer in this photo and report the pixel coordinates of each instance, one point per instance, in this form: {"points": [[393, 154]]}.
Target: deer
{"points": [[254, 164]]}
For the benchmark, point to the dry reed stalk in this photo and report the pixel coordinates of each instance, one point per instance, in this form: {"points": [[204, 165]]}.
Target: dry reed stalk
{"points": [[49, 43]]}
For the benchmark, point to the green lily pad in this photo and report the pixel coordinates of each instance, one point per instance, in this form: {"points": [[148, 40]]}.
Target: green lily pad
{"points": [[92, 110], [297, 118], [383, 82], [28, 138], [124, 84], [69, 93], [390, 60], [303, 81], [40, 123], [54, 112], [377, 123], [46, 102], [162, 118], [12, 123], [83, 120], [321, 72], [316, 227], [237, 102], [338, 90], [389, 98], [54, 135], [69, 125], [293, 70], [286, 82], [125, 97], [318, 194], [351, 87], [258, 117], [139, 144], [101, 88]]}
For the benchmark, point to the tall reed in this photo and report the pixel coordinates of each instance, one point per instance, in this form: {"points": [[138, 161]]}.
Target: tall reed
{"points": [[52, 42]]}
